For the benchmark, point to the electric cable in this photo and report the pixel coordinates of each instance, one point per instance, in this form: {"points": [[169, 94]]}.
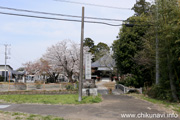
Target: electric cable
{"points": [[90, 4], [51, 18]]}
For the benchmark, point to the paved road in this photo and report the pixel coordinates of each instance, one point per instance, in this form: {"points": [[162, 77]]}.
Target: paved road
{"points": [[111, 108]]}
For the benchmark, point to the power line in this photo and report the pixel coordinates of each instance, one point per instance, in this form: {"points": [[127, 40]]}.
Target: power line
{"points": [[51, 18], [46, 13], [65, 15], [90, 4]]}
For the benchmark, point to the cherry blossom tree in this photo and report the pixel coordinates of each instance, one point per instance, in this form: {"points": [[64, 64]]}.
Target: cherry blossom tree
{"points": [[64, 54], [42, 68]]}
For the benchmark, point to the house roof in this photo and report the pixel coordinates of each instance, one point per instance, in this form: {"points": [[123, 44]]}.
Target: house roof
{"points": [[18, 72], [7, 66], [105, 61]]}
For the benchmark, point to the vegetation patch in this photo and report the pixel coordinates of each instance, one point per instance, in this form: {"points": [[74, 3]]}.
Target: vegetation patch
{"points": [[50, 99], [173, 105], [23, 116]]}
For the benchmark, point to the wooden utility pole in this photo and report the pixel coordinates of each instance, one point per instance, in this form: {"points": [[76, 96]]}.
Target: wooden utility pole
{"points": [[81, 56], [157, 46]]}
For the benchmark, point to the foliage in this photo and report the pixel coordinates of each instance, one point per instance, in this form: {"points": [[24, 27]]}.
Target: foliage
{"points": [[90, 43], [20, 69], [98, 50], [170, 105], [23, 116], [69, 87], [50, 99], [1, 79], [130, 81], [158, 92], [169, 35], [64, 54], [126, 49], [141, 37], [141, 7], [42, 67]]}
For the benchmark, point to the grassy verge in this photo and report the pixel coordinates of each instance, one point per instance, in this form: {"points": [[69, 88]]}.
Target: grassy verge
{"points": [[23, 116], [50, 99], [173, 106]]}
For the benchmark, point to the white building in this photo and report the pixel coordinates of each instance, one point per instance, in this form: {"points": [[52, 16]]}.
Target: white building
{"points": [[9, 71]]}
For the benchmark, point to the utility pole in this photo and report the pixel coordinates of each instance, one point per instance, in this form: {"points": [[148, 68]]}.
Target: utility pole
{"points": [[81, 57], [6, 57], [157, 46]]}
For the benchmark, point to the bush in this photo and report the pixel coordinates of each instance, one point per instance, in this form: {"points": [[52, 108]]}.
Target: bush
{"points": [[158, 92], [20, 86], [1, 79], [69, 87], [38, 84], [129, 81], [77, 85]]}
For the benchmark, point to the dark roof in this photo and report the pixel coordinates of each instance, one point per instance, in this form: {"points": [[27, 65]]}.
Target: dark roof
{"points": [[8, 66], [18, 72], [105, 61]]}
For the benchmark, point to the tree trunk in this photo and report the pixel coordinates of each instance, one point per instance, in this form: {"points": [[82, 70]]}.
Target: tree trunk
{"points": [[70, 78], [171, 78]]}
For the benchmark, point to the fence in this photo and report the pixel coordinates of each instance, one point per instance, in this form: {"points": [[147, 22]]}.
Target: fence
{"points": [[4, 87], [128, 89]]}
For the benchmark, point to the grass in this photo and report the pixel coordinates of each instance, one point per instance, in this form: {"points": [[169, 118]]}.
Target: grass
{"points": [[172, 105], [50, 99], [23, 116]]}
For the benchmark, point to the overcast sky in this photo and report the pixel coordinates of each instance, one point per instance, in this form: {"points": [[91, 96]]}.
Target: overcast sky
{"points": [[30, 37]]}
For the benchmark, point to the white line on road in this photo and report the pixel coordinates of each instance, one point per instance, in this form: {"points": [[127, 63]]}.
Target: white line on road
{"points": [[4, 106]]}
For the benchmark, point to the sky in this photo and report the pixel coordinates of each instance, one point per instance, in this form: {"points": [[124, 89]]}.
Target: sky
{"points": [[28, 38]]}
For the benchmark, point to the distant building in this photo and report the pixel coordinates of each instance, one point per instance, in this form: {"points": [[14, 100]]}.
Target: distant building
{"points": [[103, 67], [9, 71]]}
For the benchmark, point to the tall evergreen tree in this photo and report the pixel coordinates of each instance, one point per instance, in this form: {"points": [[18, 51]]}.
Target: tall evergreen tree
{"points": [[141, 7]]}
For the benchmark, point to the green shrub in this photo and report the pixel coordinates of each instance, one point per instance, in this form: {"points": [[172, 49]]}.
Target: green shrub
{"points": [[129, 81], [77, 85], [1, 79], [69, 87], [158, 92]]}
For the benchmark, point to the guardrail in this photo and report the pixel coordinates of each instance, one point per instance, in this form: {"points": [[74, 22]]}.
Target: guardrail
{"points": [[127, 89]]}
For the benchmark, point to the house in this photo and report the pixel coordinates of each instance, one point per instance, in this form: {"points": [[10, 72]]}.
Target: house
{"points": [[103, 68], [9, 71], [18, 76]]}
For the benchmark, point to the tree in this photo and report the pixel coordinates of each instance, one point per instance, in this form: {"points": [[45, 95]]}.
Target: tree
{"points": [[88, 42], [31, 68], [64, 54], [141, 7], [134, 51], [127, 46], [100, 50], [42, 68], [20, 69], [168, 27], [165, 17]]}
